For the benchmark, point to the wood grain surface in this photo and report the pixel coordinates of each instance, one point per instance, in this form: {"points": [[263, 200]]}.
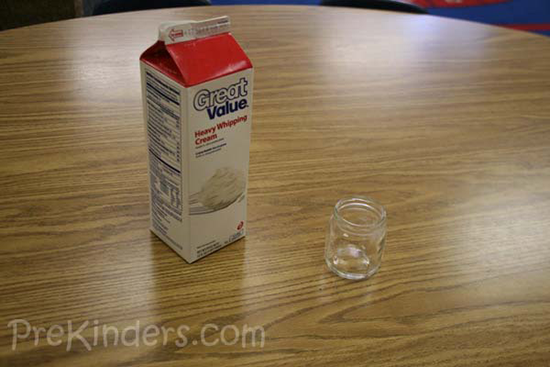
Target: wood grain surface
{"points": [[447, 123]]}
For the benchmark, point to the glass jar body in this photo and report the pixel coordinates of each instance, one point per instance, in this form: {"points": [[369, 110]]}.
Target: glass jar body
{"points": [[356, 238]]}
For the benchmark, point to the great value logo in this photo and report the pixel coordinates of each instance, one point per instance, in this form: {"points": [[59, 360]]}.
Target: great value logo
{"points": [[222, 101]]}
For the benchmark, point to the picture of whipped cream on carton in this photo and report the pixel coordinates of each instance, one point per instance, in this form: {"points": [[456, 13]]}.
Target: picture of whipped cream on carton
{"points": [[197, 105]]}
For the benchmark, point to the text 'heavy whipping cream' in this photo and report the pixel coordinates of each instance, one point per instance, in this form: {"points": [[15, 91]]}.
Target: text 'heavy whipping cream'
{"points": [[197, 102]]}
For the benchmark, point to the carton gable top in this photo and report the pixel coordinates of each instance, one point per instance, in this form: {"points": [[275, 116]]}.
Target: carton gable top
{"points": [[192, 52]]}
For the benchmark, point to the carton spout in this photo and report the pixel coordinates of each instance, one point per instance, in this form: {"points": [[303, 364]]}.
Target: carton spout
{"points": [[181, 31]]}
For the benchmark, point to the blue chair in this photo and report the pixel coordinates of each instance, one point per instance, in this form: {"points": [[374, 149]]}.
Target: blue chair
{"points": [[396, 5]]}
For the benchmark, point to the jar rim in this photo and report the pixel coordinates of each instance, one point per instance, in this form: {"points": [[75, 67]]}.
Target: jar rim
{"points": [[370, 204]]}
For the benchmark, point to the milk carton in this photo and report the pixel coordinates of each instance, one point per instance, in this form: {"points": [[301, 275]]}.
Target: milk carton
{"points": [[197, 102]]}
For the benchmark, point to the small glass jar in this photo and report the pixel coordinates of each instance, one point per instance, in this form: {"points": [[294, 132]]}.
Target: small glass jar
{"points": [[356, 238]]}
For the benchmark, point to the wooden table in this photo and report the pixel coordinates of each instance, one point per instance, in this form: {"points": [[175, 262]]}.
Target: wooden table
{"points": [[447, 123]]}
